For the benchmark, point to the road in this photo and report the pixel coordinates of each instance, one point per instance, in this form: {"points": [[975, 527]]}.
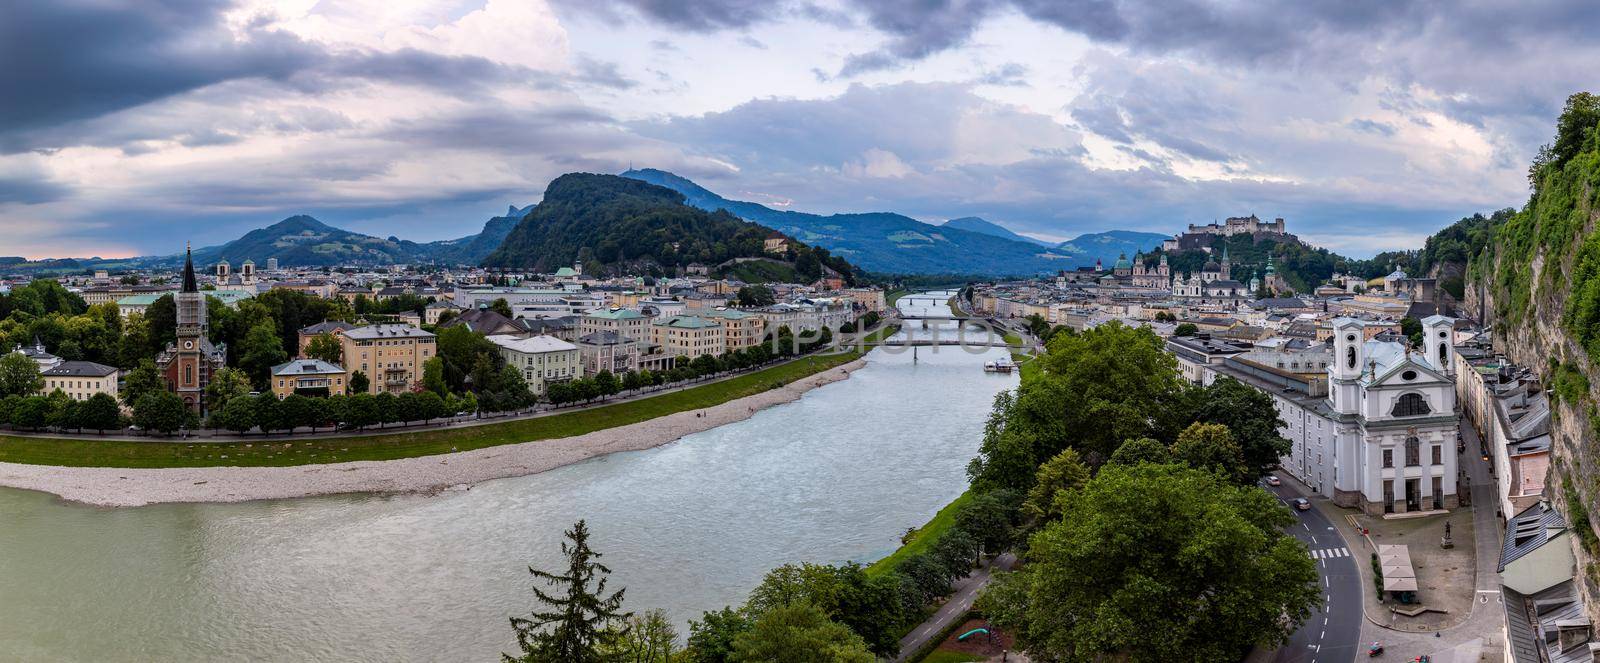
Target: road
{"points": [[1332, 634], [953, 610]]}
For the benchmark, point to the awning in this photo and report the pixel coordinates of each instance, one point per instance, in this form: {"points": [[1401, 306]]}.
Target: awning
{"points": [[1398, 572], [1399, 584]]}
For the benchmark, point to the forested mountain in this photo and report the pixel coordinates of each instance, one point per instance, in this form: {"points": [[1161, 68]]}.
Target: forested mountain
{"points": [[617, 224], [978, 225], [1109, 245], [886, 242], [303, 241], [472, 249]]}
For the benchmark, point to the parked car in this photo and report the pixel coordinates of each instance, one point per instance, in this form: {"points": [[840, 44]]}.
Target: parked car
{"points": [[1301, 504], [1273, 480]]}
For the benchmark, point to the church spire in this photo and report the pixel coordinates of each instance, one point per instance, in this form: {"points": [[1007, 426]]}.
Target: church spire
{"points": [[189, 282]]}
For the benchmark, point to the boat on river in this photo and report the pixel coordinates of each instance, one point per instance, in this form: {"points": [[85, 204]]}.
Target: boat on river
{"points": [[999, 366]]}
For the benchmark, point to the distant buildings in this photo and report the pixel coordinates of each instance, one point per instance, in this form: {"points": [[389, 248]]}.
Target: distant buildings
{"points": [[80, 379], [688, 336]]}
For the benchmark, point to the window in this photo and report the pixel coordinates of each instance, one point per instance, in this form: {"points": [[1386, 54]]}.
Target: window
{"points": [[1350, 357], [1413, 452], [1410, 405], [1388, 457], [1438, 454]]}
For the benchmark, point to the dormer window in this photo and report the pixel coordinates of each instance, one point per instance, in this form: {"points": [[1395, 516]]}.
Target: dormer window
{"points": [[1410, 405]]}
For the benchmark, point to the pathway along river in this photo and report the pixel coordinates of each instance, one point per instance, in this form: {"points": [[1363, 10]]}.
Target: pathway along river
{"points": [[688, 527]]}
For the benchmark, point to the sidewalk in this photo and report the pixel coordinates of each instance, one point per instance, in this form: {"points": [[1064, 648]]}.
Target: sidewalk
{"points": [[955, 608]]}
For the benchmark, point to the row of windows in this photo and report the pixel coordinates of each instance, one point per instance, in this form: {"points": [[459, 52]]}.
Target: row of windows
{"points": [[1413, 449]]}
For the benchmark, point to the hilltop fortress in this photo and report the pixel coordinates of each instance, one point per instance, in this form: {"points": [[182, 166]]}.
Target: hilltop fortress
{"points": [[1201, 236]]}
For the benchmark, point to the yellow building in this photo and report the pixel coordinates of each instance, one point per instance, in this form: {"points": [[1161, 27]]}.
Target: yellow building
{"points": [[80, 379], [688, 336], [740, 329], [391, 356], [308, 377]]}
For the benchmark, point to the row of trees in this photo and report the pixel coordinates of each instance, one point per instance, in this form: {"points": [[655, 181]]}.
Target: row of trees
{"points": [[1137, 490]]}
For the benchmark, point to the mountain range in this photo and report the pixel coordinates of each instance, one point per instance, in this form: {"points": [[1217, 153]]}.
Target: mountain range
{"points": [[627, 226], [303, 241], [886, 242]]}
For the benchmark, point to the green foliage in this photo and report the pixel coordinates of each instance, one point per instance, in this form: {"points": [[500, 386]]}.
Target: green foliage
{"points": [[800, 633], [711, 638], [1142, 450], [1160, 562], [646, 638], [574, 627], [40, 298], [162, 412], [359, 383], [19, 375], [100, 412], [1250, 417], [1412, 329], [1569, 384], [1065, 471], [30, 412], [626, 223], [326, 347], [260, 350], [1210, 447], [1578, 517], [226, 384], [1186, 329], [842, 593], [755, 295], [1095, 389], [141, 381]]}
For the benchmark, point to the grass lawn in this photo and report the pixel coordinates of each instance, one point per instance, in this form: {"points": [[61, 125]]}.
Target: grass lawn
{"points": [[926, 536], [895, 296], [89, 452]]}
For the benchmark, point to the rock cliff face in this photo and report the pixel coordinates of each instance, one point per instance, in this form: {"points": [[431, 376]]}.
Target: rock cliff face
{"points": [[1537, 286]]}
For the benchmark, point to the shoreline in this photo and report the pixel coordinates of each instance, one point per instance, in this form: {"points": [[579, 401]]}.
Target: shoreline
{"points": [[128, 487]]}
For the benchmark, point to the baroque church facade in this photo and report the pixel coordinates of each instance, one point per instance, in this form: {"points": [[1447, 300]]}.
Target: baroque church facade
{"points": [[1383, 438]]}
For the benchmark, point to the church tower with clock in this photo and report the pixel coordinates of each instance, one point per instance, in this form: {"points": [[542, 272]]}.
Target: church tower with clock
{"points": [[188, 363]]}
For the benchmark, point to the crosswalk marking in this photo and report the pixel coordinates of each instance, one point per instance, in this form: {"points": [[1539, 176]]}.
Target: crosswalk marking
{"points": [[1330, 553]]}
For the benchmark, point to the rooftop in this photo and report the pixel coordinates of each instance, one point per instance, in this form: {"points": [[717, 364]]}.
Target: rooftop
{"points": [[373, 332], [305, 367], [80, 369], [532, 345]]}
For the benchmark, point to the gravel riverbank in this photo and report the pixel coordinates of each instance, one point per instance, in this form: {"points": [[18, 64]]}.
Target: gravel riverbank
{"points": [[120, 487]]}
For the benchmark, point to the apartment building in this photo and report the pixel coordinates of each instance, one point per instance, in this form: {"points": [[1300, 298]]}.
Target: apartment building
{"points": [[689, 336], [391, 356], [542, 359]]}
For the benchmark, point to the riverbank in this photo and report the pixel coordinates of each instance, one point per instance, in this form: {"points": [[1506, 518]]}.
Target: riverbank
{"points": [[119, 487]]}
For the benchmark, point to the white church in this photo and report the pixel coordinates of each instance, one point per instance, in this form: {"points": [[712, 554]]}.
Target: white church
{"points": [[1383, 440]]}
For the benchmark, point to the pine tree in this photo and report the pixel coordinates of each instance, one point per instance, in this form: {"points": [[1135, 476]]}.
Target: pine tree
{"points": [[578, 617]]}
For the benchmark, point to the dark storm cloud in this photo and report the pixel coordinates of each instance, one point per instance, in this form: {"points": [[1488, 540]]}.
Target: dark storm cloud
{"points": [[1010, 74], [696, 15], [82, 61], [1371, 127], [30, 190], [76, 59]]}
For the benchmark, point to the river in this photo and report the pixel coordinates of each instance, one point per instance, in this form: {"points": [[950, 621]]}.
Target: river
{"points": [[687, 527]]}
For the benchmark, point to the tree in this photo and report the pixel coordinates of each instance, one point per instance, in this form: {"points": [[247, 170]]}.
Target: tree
{"points": [[433, 376], [844, 594], [326, 347], [237, 415], [19, 375], [579, 616], [1142, 450], [1250, 416], [1095, 389], [226, 384], [260, 350], [756, 295], [647, 638], [162, 412], [1186, 329], [987, 518], [140, 381], [1065, 471], [1210, 447], [631, 381], [606, 384], [31, 412], [1162, 562], [361, 409], [711, 638], [501, 306], [800, 633], [99, 413], [358, 383], [704, 365]]}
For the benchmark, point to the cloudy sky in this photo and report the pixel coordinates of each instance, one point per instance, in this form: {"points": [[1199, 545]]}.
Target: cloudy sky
{"points": [[127, 128]]}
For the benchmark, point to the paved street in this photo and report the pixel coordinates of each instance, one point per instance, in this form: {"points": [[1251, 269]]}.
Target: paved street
{"points": [[953, 610], [1332, 633]]}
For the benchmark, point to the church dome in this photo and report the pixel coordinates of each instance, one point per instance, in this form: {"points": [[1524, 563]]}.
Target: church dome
{"points": [[1122, 262], [1211, 267]]}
